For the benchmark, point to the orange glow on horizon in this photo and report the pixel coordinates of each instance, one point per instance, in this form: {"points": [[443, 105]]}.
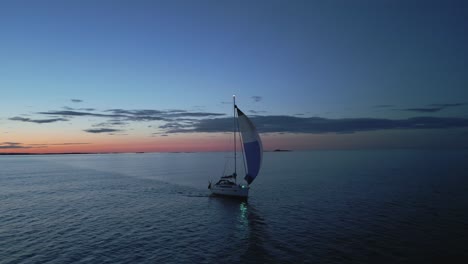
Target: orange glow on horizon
{"points": [[199, 142], [212, 142], [106, 143]]}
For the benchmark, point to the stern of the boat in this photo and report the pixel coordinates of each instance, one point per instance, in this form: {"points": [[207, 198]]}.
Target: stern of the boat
{"points": [[230, 190]]}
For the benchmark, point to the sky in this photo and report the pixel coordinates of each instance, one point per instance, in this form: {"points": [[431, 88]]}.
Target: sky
{"points": [[131, 76]]}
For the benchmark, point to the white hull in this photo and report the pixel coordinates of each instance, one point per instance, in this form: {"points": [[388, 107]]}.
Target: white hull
{"points": [[230, 190]]}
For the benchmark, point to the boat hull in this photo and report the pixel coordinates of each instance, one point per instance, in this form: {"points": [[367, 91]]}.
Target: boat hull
{"points": [[240, 191]]}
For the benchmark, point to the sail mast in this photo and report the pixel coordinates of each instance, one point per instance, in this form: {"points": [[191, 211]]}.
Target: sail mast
{"points": [[235, 150]]}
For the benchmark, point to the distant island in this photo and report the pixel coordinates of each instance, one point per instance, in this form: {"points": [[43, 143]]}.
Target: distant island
{"points": [[282, 150]]}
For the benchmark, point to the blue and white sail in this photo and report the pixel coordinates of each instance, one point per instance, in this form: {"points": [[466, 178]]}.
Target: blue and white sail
{"points": [[252, 146]]}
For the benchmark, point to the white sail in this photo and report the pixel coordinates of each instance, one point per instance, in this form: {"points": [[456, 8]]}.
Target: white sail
{"points": [[252, 146]]}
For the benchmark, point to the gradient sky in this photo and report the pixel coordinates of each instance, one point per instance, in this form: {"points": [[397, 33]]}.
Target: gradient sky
{"points": [[98, 76]]}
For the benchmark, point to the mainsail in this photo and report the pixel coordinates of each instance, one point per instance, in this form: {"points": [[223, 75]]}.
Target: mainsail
{"points": [[252, 146]]}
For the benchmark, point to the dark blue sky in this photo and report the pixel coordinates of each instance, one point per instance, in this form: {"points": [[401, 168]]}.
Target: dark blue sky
{"points": [[330, 59]]}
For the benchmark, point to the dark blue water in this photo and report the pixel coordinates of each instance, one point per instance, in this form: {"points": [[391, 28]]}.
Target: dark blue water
{"points": [[396, 206]]}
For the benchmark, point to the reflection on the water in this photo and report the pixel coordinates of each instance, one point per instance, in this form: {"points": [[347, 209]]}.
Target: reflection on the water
{"points": [[243, 219], [250, 230]]}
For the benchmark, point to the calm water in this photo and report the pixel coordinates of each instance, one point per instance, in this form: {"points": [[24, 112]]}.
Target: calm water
{"points": [[305, 207]]}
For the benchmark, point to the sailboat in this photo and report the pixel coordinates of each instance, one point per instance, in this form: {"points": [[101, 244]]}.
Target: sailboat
{"points": [[252, 153]]}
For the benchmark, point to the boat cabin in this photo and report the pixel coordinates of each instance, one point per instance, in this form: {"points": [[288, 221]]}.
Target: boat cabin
{"points": [[225, 182]]}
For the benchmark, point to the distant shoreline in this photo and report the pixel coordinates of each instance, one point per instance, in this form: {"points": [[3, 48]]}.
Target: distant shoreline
{"points": [[87, 153], [174, 152], [64, 153], [102, 153]]}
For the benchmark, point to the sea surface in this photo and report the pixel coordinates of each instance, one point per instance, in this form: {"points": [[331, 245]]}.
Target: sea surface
{"points": [[392, 206]]}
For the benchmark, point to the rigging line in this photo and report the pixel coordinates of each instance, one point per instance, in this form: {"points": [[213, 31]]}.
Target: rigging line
{"points": [[235, 149], [224, 170]]}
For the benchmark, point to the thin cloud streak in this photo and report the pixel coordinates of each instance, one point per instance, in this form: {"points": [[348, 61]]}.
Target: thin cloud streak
{"points": [[14, 145], [448, 105], [256, 112], [110, 123], [11, 143], [433, 107], [256, 98], [37, 121], [80, 109], [102, 130], [59, 144], [423, 110], [77, 113], [317, 125], [17, 145], [135, 115]]}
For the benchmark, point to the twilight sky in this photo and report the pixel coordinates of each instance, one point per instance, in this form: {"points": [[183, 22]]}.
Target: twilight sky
{"points": [[99, 76]]}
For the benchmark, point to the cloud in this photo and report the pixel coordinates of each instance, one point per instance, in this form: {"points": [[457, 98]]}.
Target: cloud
{"points": [[59, 144], [256, 112], [317, 125], [17, 145], [433, 107], [135, 115], [448, 105], [37, 121], [176, 125], [173, 118], [77, 113], [138, 112], [13, 145], [152, 114], [256, 98], [424, 109], [76, 100], [69, 143], [110, 123], [114, 134], [102, 130], [81, 109]]}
